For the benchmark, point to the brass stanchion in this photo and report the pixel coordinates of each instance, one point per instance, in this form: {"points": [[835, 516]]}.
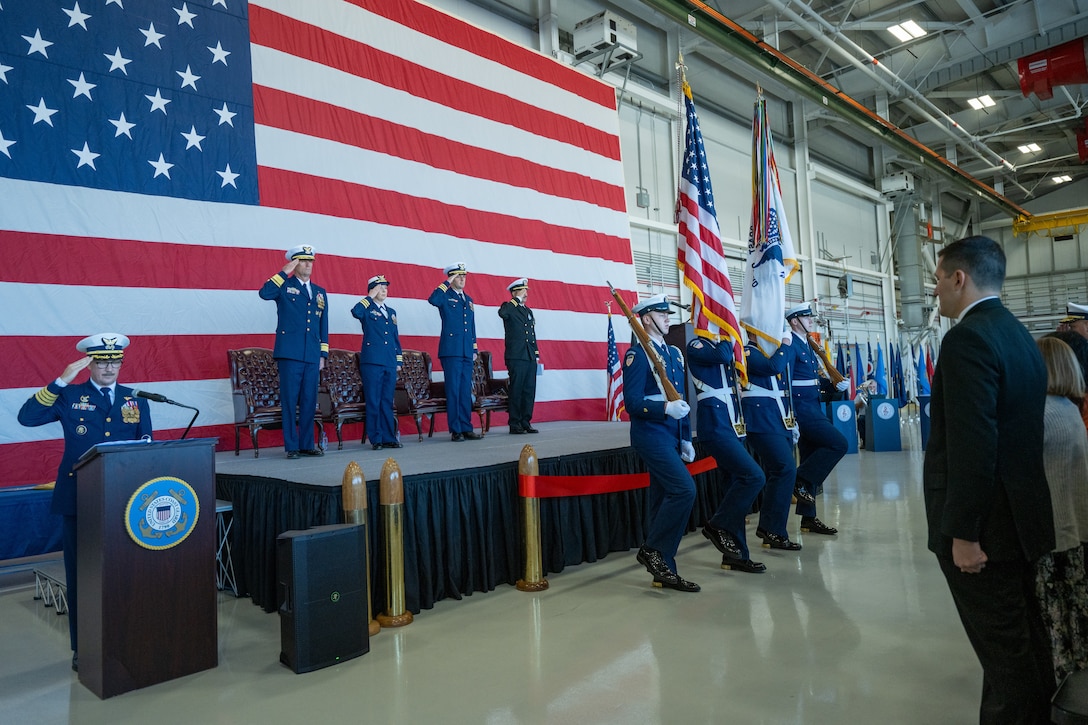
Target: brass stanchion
{"points": [[353, 495], [391, 498], [534, 580]]}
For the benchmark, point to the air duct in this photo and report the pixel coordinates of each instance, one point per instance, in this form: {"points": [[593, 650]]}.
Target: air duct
{"points": [[1062, 65]]}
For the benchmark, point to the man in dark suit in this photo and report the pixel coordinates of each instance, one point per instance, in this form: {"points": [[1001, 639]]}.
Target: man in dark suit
{"points": [[302, 345], [987, 500], [521, 356], [91, 412]]}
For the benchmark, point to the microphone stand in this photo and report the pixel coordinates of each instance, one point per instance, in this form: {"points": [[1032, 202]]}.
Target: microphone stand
{"points": [[163, 399]]}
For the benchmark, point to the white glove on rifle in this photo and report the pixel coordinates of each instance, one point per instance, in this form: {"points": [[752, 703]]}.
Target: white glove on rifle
{"points": [[842, 385], [687, 451], [677, 409]]}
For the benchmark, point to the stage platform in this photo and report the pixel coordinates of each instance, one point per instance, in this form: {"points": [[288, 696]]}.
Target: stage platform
{"points": [[462, 513]]}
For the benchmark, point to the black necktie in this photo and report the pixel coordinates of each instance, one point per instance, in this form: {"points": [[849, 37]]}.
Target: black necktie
{"points": [[109, 399]]}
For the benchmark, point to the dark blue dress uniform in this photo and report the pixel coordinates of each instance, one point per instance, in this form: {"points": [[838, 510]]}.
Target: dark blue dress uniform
{"points": [[379, 359], [456, 350], [656, 439], [711, 366], [521, 356], [87, 420], [302, 340], [765, 406], [821, 446]]}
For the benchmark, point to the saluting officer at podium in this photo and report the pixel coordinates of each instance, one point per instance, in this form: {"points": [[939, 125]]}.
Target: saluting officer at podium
{"points": [[379, 360], [821, 446], [90, 413], [302, 345]]}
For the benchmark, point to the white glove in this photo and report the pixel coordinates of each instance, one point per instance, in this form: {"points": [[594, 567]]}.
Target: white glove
{"points": [[842, 385], [687, 451], [796, 434], [677, 409]]}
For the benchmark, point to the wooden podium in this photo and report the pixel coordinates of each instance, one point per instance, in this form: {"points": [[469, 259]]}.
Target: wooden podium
{"points": [[146, 563]]}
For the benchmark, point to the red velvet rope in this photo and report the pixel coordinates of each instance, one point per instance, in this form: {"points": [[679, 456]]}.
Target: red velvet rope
{"points": [[554, 486]]}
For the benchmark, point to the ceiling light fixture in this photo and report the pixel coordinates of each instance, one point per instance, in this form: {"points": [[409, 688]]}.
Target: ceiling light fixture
{"points": [[981, 102], [1031, 148], [1062, 179], [907, 31]]}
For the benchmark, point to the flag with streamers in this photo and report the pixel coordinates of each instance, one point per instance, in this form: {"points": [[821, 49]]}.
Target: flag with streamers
{"points": [[771, 258], [700, 255], [614, 396]]}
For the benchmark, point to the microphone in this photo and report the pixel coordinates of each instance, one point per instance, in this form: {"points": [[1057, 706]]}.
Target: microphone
{"points": [[158, 398]]}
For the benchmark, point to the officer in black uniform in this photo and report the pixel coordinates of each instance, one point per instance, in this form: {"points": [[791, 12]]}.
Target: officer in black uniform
{"points": [[457, 350], [661, 436], [521, 356], [302, 345], [90, 413], [379, 360], [720, 430]]}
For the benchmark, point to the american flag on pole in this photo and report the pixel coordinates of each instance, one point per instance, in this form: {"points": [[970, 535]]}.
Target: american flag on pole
{"points": [[771, 259], [699, 254], [614, 396], [157, 158]]}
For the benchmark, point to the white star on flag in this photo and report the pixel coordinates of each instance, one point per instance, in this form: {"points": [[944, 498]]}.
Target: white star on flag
{"points": [[152, 37], [218, 54], [123, 126], [117, 61], [4, 72], [86, 156], [77, 17], [184, 16], [118, 3], [42, 112], [188, 78], [37, 44], [5, 145], [83, 88], [162, 167], [158, 103], [193, 139], [228, 177], [219, 2], [225, 116]]}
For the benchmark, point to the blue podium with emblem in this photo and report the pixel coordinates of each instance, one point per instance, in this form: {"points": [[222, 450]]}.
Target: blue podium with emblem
{"points": [[841, 414], [882, 425], [923, 417], [145, 554]]}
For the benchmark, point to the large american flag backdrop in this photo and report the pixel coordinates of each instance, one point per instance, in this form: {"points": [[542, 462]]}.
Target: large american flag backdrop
{"points": [[157, 158]]}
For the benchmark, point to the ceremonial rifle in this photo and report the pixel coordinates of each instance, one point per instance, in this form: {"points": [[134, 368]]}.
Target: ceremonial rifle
{"points": [[644, 339]]}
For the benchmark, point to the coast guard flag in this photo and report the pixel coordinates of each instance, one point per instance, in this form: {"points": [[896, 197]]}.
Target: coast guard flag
{"points": [[771, 259], [614, 396], [158, 158], [699, 254]]}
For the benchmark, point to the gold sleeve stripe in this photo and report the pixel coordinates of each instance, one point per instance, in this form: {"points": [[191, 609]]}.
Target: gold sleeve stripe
{"points": [[278, 279], [400, 358], [364, 302], [45, 397], [443, 286], [324, 347]]}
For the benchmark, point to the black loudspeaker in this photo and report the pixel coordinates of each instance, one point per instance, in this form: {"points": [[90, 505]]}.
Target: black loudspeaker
{"points": [[322, 596]]}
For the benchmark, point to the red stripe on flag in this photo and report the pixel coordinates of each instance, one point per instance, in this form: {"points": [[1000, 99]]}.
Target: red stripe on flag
{"points": [[272, 30], [314, 118]]}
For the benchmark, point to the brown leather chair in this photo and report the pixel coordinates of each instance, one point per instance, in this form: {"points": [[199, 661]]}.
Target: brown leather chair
{"points": [[416, 393], [490, 393], [255, 387], [341, 397]]}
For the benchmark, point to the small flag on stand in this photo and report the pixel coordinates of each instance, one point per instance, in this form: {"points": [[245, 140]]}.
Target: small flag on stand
{"points": [[614, 396]]}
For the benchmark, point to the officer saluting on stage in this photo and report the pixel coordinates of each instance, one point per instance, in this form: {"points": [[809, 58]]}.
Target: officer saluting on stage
{"points": [[661, 436], [457, 350], [521, 356], [722, 433], [821, 445], [90, 413], [379, 360], [302, 344]]}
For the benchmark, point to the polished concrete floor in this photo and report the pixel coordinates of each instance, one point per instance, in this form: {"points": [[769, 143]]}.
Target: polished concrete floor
{"points": [[857, 628]]}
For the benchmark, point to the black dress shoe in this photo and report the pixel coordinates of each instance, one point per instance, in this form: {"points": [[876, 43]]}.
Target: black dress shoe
{"points": [[774, 541], [723, 541], [518, 431], [75, 662], [315, 452], [377, 446], [457, 437], [746, 565], [292, 455], [654, 561], [472, 436], [802, 495], [531, 429], [812, 525], [394, 444]]}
